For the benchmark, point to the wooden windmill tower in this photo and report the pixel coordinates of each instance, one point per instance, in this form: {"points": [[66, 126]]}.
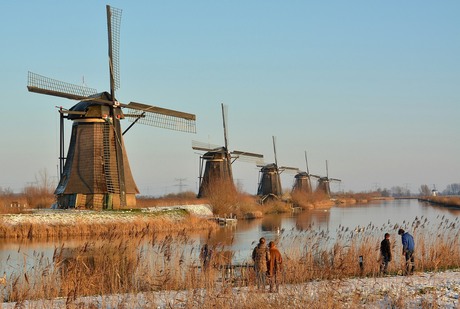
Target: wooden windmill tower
{"points": [[302, 182], [323, 183], [269, 178], [96, 173], [216, 163]]}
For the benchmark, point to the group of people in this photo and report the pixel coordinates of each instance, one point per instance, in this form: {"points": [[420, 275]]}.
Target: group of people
{"points": [[267, 264], [407, 250], [268, 260]]}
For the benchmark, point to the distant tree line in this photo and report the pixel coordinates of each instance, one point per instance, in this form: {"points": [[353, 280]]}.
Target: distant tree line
{"points": [[424, 190], [452, 189]]}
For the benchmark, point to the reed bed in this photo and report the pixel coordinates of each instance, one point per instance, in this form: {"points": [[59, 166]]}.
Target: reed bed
{"points": [[65, 224], [314, 200], [451, 201], [184, 198], [148, 262]]}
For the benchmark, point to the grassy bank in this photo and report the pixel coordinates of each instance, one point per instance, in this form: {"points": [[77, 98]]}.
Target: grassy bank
{"points": [[449, 201], [65, 224]]}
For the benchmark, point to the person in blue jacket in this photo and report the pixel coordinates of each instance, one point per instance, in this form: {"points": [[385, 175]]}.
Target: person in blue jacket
{"points": [[408, 250]]}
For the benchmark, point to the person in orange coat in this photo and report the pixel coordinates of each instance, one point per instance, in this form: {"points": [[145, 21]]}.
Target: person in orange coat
{"points": [[274, 266]]}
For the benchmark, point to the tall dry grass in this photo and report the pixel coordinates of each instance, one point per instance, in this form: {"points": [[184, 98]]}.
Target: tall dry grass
{"points": [[13, 204], [117, 264], [311, 200], [226, 201], [184, 198], [92, 225], [452, 201]]}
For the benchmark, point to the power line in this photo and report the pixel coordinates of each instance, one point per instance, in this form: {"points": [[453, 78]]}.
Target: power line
{"points": [[181, 184]]}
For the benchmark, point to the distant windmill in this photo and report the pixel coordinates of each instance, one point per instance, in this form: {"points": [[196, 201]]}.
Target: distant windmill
{"points": [[323, 183], [96, 173], [269, 179], [216, 163], [302, 181]]}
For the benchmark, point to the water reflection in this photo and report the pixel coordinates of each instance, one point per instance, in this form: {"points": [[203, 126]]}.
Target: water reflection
{"points": [[271, 223], [236, 243], [314, 219]]}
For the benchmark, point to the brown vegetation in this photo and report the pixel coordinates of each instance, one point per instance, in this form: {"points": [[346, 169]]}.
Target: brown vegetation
{"points": [[361, 198], [63, 225], [184, 198], [155, 262], [225, 201], [312, 200], [453, 201]]}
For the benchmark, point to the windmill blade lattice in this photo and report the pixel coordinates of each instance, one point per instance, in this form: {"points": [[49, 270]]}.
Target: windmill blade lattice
{"points": [[113, 27], [202, 146], [248, 157], [45, 85], [160, 117], [289, 169]]}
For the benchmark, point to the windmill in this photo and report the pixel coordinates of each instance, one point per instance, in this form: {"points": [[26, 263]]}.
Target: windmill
{"points": [[216, 163], [302, 181], [323, 183], [269, 178], [96, 173]]}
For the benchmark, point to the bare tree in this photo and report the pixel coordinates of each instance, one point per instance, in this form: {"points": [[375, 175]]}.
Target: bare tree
{"points": [[40, 193], [424, 190]]}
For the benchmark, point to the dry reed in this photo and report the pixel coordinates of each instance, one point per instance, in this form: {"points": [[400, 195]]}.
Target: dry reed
{"points": [[63, 224], [451, 201], [118, 264]]}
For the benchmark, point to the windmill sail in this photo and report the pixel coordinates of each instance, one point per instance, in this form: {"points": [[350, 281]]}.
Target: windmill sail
{"points": [[160, 117], [45, 85]]}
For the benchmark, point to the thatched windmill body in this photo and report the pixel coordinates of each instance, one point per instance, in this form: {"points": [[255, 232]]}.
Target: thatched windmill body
{"points": [[215, 167], [324, 182], [96, 172], [269, 178], [302, 182]]}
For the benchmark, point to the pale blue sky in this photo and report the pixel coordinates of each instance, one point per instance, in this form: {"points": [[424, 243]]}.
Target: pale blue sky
{"points": [[371, 86]]}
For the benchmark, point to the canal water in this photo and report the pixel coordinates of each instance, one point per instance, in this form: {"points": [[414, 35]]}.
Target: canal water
{"points": [[287, 229]]}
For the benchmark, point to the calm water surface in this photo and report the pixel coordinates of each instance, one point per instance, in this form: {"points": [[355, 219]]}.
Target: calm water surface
{"points": [[286, 228]]}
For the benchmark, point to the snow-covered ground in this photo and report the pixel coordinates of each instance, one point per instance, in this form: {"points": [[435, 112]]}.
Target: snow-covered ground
{"points": [[421, 290], [200, 210], [72, 217]]}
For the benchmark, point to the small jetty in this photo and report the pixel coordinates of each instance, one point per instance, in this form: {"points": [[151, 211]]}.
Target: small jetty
{"points": [[224, 221]]}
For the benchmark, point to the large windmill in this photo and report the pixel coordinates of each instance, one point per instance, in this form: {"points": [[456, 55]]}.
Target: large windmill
{"points": [[216, 163], [269, 178], [96, 173], [323, 182], [302, 181]]}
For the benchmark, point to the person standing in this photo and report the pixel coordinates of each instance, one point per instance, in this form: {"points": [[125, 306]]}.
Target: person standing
{"points": [[205, 256], [274, 266], [408, 250], [261, 257], [385, 251]]}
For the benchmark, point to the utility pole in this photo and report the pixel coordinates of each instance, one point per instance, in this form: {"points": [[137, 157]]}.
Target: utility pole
{"points": [[181, 184]]}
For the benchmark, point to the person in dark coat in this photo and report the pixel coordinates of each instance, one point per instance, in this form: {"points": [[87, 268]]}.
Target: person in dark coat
{"points": [[261, 257], [205, 256], [385, 251], [408, 250], [274, 267]]}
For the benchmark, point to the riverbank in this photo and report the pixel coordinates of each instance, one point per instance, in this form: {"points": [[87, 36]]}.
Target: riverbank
{"points": [[421, 290], [447, 201], [41, 224]]}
